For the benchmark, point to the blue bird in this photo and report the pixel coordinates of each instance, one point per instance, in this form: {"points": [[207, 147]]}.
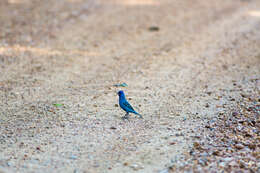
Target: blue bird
{"points": [[126, 106]]}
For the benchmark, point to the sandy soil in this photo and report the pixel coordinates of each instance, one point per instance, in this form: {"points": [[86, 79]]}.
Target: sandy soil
{"points": [[185, 63]]}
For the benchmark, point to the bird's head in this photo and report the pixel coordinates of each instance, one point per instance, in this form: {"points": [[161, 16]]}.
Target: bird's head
{"points": [[120, 93]]}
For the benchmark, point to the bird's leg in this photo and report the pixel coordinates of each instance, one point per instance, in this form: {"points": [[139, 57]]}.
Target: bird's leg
{"points": [[126, 116]]}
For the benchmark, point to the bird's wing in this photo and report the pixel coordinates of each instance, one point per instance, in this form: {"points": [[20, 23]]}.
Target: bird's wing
{"points": [[128, 106]]}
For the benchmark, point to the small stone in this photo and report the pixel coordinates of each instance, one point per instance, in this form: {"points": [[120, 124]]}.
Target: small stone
{"points": [[21, 144], [73, 157], [233, 163], [248, 134], [227, 159], [209, 93], [154, 28], [252, 146], [221, 113], [116, 105], [9, 164], [179, 134], [172, 143], [250, 109], [113, 128], [197, 137], [243, 95], [234, 114], [76, 171], [242, 164], [164, 171], [222, 164], [197, 146], [239, 146], [224, 66], [216, 153], [136, 167], [202, 162], [204, 154]]}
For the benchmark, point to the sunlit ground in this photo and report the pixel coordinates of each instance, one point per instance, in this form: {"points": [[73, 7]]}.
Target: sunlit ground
{"points": [[254, 13], [17, 1], [43, 51], [137, 2], [74, 1]]}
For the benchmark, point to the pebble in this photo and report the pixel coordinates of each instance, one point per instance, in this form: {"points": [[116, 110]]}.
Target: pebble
{"points": [[258, 165], [204, 154], [227, 159], [73, 157], [172, 143], [9, 164], [164, 171], [202, 162], [222, 164], [136, 167], [216, 153], [235, 114], [76, 171], [233, 163], [154, 28], [239, 146], [179, 134]]}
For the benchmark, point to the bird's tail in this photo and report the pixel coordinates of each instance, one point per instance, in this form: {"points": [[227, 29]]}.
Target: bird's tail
{"points": [[140, 116]]}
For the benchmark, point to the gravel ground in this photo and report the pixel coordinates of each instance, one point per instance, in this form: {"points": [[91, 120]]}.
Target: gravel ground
{"points": [[192, 69], [228, 142]]}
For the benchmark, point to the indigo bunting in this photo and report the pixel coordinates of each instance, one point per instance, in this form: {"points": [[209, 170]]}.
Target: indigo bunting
{"points": [[126, 106]]}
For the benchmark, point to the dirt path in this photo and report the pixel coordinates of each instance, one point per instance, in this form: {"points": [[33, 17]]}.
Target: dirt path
{"points": [[73, 52]]}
